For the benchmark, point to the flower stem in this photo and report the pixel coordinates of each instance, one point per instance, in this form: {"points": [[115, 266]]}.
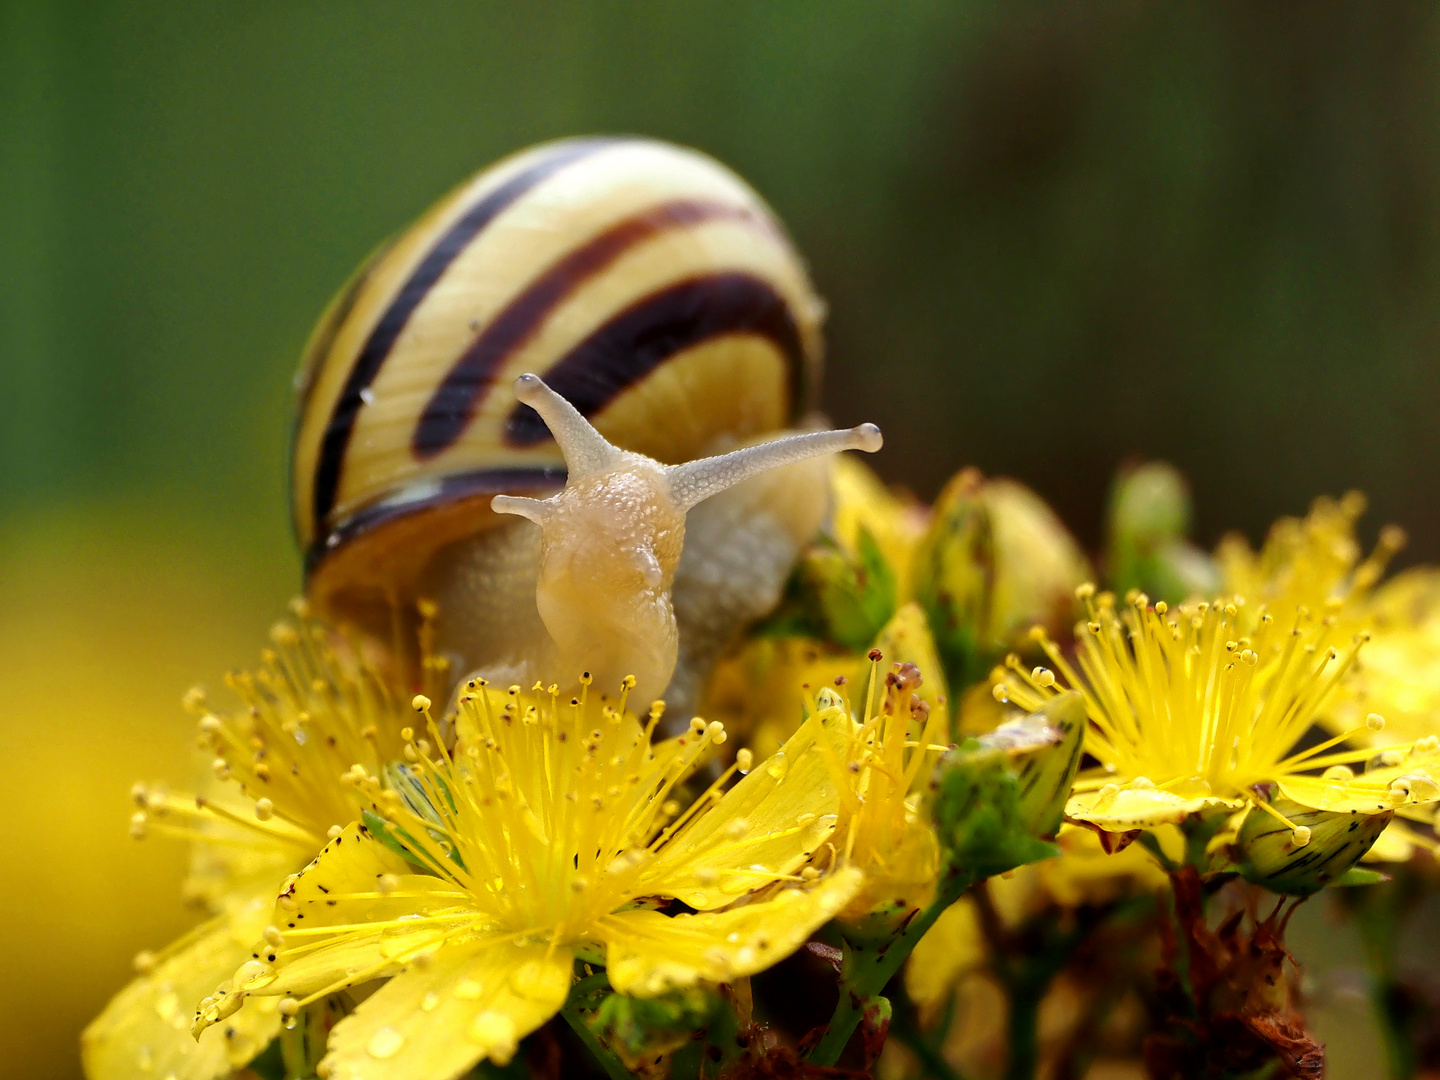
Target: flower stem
{"points": [[904, 1028], [865, 971], [1377, 918]]}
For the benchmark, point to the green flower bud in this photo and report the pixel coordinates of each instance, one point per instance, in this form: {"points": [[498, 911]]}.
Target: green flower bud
{"points": [[1044, 749], [1321, 847], [993, 798], [995, 562], [845, 598], [1147, 549]]}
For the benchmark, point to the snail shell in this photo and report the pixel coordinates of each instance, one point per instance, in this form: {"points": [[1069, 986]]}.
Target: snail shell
{"points": [[651, 288]]}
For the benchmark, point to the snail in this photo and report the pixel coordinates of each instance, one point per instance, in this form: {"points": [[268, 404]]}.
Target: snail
{"points": [[655, 307]]}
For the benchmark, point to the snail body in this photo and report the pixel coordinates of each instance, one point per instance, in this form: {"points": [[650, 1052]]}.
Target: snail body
{"points": [[652, 291]]}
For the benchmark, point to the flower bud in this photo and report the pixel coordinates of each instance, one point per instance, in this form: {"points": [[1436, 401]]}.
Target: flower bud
{"points": [[846, 597], [993, 798], [1302, 860], [1146, 545], [1044, 749], [995, 562]]}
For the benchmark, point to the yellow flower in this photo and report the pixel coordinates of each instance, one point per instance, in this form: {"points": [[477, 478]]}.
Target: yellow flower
{"points": [[880, 762], [544, 837], [1398, 675], [888, 756], [1313, 563], [1190, 711], [305, 717]]}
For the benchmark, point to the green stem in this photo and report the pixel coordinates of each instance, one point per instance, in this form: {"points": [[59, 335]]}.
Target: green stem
{"points": [[866, 971], [614, 1068], [1023, 1056], [1377, 919]]}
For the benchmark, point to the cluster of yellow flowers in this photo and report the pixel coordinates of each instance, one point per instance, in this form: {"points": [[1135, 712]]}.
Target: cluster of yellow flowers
{"points": [[400, 890]]}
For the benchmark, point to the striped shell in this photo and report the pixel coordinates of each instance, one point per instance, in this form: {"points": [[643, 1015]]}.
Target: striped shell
{"points": [[646, 283]]}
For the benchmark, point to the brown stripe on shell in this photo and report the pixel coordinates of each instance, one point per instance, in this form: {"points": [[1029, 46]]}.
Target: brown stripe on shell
{"points": [[438, 493], [322, 339], [456, 400], [378, 345], [639, 339]]}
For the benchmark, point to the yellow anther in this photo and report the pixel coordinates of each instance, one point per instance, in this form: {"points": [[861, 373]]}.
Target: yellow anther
{"points": [[1301, 835], [420, 703], [1375, 722], [264, 809]]}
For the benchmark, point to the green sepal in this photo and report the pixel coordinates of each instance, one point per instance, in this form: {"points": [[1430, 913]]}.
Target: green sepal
{"points": [[644, 1029], [1266, 853], [1359, 875]]}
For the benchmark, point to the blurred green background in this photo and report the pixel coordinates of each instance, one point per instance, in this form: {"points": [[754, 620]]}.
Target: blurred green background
{"points": [[1051, 238]]}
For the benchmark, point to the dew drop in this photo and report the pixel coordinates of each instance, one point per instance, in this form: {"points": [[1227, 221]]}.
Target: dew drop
{"points": [[777, 767], [429, 1002], [167, 1006], [492, 1028], [385, 1043], [468, 990]]}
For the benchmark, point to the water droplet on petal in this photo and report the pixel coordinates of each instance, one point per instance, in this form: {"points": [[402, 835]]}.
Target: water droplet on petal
{"points": [[385, 1043], [429, 1002], [468, 990], [493, 1029], [777, 766]]}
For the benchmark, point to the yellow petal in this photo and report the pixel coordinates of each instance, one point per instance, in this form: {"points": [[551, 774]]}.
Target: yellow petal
{"points": [[145, 1030], [763, 828], [435, 1021], [1126, 808], [1396, 844], [649, 953], [356, 883], [1368, 793]]}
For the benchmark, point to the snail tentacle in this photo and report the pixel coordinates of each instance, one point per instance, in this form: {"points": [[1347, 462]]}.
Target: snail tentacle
{"points": [[585, 449], [695, 481]]}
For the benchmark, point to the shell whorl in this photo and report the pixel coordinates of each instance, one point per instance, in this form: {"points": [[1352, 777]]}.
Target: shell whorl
{"points": [[647, 284]]}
